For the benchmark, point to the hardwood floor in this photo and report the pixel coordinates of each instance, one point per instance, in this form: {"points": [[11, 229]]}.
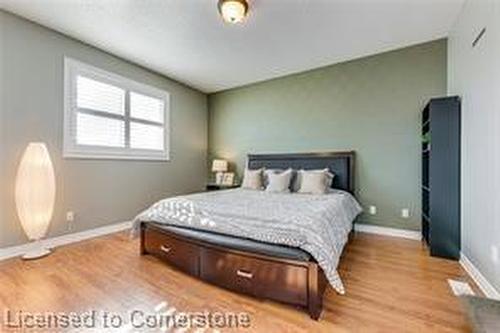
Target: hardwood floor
{"points": [[392, 286]]}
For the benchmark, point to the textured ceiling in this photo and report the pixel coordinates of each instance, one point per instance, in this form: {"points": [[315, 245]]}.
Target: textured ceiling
{"points": [[187, 40]]}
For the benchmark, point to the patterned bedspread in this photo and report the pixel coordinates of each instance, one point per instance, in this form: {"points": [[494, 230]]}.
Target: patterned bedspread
{"points": [[317, 224]]}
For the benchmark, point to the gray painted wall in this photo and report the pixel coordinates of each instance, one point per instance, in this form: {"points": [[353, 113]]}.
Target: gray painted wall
{"points": [[99, 191], [474, 74], [370, 105]]}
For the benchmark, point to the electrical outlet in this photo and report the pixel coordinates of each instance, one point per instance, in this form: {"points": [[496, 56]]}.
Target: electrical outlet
{"points": [[405, 213], [70, 216], [495, 255], [372, 210]]}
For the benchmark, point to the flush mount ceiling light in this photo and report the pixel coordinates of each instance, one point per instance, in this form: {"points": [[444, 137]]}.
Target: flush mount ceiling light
{"points": [[233, 11]]}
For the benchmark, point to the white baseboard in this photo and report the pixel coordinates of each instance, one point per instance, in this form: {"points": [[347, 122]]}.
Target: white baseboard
{"points": [[19, 250], [476, 275], [393, 232]]}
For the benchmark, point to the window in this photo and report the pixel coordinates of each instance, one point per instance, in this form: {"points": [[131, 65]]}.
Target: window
{"points": [[109, 116]]}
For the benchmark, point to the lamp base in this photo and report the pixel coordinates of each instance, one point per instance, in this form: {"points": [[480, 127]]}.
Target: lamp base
{"points": [[219, 177], [36, 253]]}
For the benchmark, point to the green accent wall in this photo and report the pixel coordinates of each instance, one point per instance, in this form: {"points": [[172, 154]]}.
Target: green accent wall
{"points": [[370, 105]]}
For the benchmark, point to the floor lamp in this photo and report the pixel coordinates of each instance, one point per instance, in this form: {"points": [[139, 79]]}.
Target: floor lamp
{"points": [[35, 196]]}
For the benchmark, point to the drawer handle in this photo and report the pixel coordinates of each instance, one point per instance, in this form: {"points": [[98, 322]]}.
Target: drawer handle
{"points": [[244, 274], [165, 249]]}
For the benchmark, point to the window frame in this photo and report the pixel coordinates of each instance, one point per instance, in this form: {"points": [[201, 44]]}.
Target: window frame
{"points": [[72, 69]]}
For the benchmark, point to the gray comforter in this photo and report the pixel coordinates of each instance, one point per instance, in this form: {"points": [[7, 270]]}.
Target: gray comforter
{"points": [[318, 224]]}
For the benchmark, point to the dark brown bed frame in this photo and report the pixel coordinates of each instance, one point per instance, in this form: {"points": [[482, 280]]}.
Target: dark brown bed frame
{"points": [[300, 283]]}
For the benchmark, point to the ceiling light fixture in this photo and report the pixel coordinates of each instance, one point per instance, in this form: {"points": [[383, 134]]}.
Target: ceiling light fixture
{"points": [[233, 11]]}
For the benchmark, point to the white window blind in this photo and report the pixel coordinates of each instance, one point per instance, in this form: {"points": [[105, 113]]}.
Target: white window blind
{"points": [[109, 116]]}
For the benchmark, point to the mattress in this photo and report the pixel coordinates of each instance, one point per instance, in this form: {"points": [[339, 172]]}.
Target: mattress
{"points": [[316, 224]]}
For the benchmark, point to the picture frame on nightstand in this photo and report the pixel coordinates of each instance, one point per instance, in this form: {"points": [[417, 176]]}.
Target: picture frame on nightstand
{"points": [[228, 179]]}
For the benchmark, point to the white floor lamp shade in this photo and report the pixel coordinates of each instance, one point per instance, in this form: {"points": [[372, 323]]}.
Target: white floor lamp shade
{"points": [[35, 195]]}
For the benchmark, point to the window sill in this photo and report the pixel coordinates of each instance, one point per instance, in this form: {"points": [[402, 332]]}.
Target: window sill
{"points": [[78, 156]]}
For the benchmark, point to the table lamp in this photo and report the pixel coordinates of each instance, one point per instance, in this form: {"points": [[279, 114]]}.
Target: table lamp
{"points": [[219, 167]]}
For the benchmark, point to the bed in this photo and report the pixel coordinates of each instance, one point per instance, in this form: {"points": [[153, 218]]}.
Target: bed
{"points": [[279, 246]]}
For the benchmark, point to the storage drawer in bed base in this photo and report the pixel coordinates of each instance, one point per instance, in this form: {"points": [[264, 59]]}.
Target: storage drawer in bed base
{"points": [[294, 282]]}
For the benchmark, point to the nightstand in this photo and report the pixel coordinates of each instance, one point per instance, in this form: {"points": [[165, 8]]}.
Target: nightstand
{"points": [[216, 187]]}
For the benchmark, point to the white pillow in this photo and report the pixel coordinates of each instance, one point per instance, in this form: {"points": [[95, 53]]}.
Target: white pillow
{"points": [[314, 182], [278, 181], [298, 178], [265, 178], [252, 179]]}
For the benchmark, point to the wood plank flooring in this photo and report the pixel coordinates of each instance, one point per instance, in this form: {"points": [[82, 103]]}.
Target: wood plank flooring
{"points": [[392, 286]]}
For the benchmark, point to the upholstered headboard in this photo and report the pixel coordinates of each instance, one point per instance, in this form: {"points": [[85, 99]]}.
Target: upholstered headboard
{"points": [[340, 163]]}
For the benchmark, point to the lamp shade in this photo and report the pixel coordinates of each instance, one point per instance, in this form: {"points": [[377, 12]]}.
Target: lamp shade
{"points": [[233, 11], [219, 166], [35, 190]]}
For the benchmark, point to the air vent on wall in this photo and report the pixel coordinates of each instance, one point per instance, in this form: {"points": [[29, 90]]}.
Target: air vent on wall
{"points": [[479, 36]]}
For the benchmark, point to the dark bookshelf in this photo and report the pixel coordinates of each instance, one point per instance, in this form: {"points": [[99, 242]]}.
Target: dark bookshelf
{"points": [[441, 177]]}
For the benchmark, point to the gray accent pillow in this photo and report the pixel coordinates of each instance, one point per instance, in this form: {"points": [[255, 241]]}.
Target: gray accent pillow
{"points": [[252, 179], [297, 181], [278, 181]]}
